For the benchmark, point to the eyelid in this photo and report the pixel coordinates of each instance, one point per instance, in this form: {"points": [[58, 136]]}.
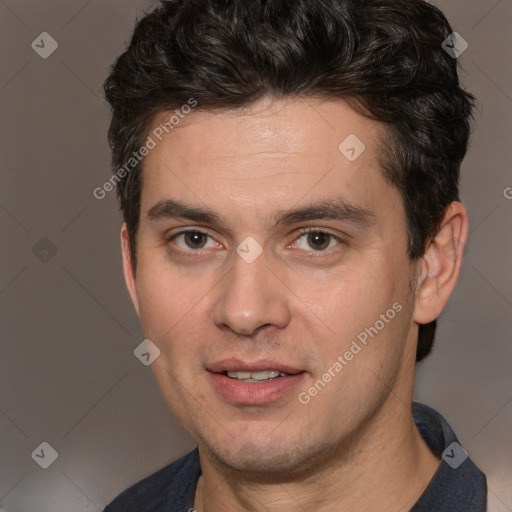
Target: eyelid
{"points": [[312, 229], [167, 237]]}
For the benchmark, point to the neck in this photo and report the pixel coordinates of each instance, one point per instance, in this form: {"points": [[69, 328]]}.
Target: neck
{"points": [[385, 466]]}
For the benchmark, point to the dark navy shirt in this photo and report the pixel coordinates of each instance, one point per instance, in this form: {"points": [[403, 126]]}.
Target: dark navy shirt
{"points": [[457, 486]]}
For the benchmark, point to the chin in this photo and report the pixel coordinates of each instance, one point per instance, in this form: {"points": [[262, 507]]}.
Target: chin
{"points": [[263, 459]]}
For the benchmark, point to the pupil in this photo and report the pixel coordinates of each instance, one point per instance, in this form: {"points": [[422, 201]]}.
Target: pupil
{"points": [[318, 240]]}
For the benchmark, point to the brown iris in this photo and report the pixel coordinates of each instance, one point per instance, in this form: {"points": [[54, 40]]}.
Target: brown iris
{"points": [[195, 239], [318, 241]]}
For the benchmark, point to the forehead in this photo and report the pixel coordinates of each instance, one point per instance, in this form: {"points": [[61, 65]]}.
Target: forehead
{"points": [[267, 157]]}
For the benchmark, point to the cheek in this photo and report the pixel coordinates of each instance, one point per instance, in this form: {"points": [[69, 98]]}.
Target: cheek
{"points": [[173, 309], [160, 298], [368, 314], [356, 298]]}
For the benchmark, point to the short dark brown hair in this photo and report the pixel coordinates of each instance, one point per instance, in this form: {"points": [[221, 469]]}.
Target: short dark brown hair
{"points": [[384, 56]]}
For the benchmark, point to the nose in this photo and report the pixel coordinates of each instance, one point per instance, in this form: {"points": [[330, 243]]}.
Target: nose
{"points": [[251, 296]]}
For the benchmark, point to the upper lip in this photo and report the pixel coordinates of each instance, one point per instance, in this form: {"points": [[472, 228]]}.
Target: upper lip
{"points": [[233, 365]]}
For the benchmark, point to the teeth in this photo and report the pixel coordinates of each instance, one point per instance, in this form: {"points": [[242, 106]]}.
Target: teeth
{"points": [[239, 375], [264, 375], [256, 376]]}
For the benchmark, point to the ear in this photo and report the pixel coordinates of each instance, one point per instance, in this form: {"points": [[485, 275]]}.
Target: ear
{"points": [[129, 271], [440, 265]]}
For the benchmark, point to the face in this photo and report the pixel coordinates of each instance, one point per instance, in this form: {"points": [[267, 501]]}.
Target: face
{"points": [[273, 276]]}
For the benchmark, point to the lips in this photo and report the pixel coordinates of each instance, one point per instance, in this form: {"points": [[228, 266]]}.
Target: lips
{"points": [[255, 382]]}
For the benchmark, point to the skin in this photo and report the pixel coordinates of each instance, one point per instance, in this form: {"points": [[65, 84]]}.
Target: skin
{"points": [[354, 446]]}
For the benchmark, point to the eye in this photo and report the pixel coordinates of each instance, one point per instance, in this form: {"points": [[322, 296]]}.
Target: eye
{"points": [[194, 240], [315, 239]]}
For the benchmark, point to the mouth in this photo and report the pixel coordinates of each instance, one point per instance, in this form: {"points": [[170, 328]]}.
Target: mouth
{"points": [[253, 383]]}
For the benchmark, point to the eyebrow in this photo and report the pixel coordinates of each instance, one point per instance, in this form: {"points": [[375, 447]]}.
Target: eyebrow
{"points": [[333, 209], [168, 209]]}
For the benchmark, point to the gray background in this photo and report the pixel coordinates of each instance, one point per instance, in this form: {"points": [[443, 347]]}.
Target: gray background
{"points": [[68, 375]]}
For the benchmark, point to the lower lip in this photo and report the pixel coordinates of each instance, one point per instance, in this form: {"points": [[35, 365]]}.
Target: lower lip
{"points": [[254, 393]]}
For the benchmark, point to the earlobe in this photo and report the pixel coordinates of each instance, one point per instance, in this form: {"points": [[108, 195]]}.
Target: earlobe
{"points": [[440, 265], [128, 269]]}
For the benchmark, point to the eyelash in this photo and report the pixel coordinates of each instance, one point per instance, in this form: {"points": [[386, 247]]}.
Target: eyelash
{"points": [[304, 231]]}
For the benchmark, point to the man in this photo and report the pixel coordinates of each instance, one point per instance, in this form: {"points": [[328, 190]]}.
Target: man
{"points": [[288, 175]]}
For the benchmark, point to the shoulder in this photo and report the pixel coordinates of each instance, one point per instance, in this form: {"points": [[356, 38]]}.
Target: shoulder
{"points": [[172, 485], [458, 485]]}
